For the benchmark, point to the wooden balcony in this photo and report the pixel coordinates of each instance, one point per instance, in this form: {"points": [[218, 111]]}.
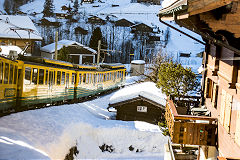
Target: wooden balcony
{"points": [[188, 129]]}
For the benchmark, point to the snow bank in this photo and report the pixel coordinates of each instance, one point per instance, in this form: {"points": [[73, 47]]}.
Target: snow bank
{"points": [[146, 89], [4, 50], [49, 133], [138, 62]]}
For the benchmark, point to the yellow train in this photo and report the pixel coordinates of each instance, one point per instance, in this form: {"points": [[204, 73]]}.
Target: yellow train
{"points": [[34, 81]]}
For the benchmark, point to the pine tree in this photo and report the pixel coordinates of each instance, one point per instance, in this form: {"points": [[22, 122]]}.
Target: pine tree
{"points": [[175, 80], [96, 36], [64, 54], [48, 10], [75, 6]]}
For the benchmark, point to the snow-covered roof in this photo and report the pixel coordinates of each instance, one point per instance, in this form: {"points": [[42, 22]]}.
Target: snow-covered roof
{"points": [[147, 90], [51, 47], [50, 19], [4, 50], [138, 62], [18, 27]]}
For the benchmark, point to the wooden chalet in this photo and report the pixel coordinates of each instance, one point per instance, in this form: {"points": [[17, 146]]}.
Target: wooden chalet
{"points": [[96, 20], [63, 15], [87, 1], [141, 27], [19, 31], [79, 53], [49, 21], [123, 23], [218, 22], [80, 30], [65, 8], [139, 104], [156, 2]]}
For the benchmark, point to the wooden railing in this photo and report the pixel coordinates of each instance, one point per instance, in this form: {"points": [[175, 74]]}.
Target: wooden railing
{"points": [[187, 129]]}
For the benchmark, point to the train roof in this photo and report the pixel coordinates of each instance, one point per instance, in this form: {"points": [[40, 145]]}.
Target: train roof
{"points": [[112, 65], [43, 60]]}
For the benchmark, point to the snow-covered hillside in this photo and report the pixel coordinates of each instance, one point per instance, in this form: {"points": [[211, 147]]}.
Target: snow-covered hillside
{"points": [[118, 38], [51, 132]]}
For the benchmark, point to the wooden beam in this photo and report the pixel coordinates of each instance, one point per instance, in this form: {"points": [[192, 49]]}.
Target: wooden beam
{"points": [[205, 5]]}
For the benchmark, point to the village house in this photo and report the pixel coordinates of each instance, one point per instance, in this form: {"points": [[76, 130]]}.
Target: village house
{"points": [[80, 54], [80, 30], [87, 1], [218, 23], [49, 21], [96, 20], [65, 8], [19, 31], [123, 23], [140, 102], [63, 15], [141, 27], [156, 2]]}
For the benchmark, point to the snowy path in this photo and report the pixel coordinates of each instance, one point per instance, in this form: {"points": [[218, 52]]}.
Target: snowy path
{"points": [[49, 133]]}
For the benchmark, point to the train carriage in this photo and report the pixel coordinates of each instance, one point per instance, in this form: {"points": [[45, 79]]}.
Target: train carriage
{"points": [[32, 82], [8, 83]]}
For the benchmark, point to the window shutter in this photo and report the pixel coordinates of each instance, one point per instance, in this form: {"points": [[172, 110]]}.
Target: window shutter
{"points": [[237, 133], [228, 111], [215, 95], [222, 109], [206, 88]]}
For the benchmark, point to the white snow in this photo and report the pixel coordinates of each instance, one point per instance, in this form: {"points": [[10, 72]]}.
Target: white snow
{"points": [[4, 50], [138, 62], [146, 89], [49, 133], [51, 47], [19, 27]]}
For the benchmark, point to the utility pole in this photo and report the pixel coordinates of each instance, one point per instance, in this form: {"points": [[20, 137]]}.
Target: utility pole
{"points": [[56, 44], [99, 49]]}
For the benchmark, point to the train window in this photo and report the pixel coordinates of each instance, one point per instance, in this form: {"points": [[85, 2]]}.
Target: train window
{"points": [[80, 78], [67, 80], [34, 75], [11, 74], [104, 78], [58, 77], [54, 75], [90, 77], [27, 79], [6, 73], [87, 78], [84, 78], [46, 77], [15, 74], [1, 72], [73, 78], [110, 76], [63, 78], [41, 76]]}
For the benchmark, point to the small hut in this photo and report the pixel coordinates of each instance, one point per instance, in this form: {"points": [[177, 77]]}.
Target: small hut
{"points": [[137, 67], [139, 102], [141, 27]]}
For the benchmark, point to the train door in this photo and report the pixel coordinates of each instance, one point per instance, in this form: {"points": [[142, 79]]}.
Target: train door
{"points": [[50, 81], [67, 81]]}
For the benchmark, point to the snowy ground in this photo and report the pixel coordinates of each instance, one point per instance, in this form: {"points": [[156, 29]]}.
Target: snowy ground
{"points": [[49, 133]]}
